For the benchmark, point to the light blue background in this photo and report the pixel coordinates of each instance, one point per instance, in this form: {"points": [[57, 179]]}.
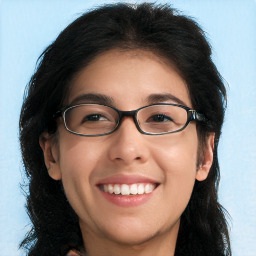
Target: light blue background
{"points": [[27, 27]]}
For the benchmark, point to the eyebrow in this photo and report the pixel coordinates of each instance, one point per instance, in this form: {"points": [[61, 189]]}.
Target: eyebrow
{"points": [[107, 100], [157, 98], [93, 98]]}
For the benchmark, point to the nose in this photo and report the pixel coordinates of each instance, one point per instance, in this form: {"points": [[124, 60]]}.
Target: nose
{"points": [[128, 144]]}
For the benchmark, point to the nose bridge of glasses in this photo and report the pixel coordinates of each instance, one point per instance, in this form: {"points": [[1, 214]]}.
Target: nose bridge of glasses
{"points": [[123, 114], [131, 113]]}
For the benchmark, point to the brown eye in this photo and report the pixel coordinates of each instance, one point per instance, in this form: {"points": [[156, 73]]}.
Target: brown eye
{"points": [[159, 118], [94, 118]]}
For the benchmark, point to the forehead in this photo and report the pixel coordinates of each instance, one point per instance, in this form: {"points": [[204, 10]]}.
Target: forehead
{"points": [[129, 78]]}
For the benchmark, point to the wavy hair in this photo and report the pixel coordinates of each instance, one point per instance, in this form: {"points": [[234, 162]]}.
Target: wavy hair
{"points": [[168, 34]]}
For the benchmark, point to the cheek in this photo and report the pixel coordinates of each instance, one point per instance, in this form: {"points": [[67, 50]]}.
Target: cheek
{"points": [[77, 162], [177, 153], [78, 155], [76, 158], [177, 158]]}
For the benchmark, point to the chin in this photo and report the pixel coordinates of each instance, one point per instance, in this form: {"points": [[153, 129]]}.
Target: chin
{"points": [[132, 238], [130, 234]]}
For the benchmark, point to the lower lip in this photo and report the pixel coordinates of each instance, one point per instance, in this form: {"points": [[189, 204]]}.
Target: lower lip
{"points": [[126, 201]]}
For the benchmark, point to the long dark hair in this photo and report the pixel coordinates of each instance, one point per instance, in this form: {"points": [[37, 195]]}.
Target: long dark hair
{"points": [[168, 34]]}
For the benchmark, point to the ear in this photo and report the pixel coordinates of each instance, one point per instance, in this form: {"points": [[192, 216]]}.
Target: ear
{"points": [[51, 155], [207, 159]]}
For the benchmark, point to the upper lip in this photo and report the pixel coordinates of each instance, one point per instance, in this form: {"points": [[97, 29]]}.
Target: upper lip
{"points": [[126, 179]]}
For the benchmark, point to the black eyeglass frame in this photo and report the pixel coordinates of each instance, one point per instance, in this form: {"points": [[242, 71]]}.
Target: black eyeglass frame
{"points": [[192, 115]]}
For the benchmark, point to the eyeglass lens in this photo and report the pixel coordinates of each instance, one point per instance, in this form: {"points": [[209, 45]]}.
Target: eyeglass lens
{"points": [[93, 119]]}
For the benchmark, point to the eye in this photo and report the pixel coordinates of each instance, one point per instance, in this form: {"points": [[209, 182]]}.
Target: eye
{"points": [[160, 118], [94, 118]]}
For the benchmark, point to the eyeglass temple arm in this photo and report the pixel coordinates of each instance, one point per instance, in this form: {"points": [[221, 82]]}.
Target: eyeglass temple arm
{"points": [[198, 117]]}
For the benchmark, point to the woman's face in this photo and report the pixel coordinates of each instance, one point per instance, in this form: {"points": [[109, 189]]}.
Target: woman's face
{"points": [[131, 79]]}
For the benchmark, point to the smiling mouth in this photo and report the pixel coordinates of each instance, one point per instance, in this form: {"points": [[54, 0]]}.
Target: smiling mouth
{"points": [[128, 190]]}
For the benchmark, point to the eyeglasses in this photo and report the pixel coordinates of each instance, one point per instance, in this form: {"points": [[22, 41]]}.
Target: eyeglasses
{"points": [[155, 119]]}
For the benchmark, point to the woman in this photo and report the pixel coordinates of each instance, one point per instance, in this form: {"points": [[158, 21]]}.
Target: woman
{"points": [[119, 133]]}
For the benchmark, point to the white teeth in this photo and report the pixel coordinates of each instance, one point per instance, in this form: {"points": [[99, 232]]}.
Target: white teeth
{"points": [[105, 188], [110, 189], [141, 189], [125, 190], [117, 189], [132, 189], [147, 189]]}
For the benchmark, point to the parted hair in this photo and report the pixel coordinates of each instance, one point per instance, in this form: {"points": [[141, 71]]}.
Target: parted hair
{"points": [[168, 34]]}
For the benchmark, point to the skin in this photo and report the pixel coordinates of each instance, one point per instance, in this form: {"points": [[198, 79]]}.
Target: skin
{"points": [[129, 77]]}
